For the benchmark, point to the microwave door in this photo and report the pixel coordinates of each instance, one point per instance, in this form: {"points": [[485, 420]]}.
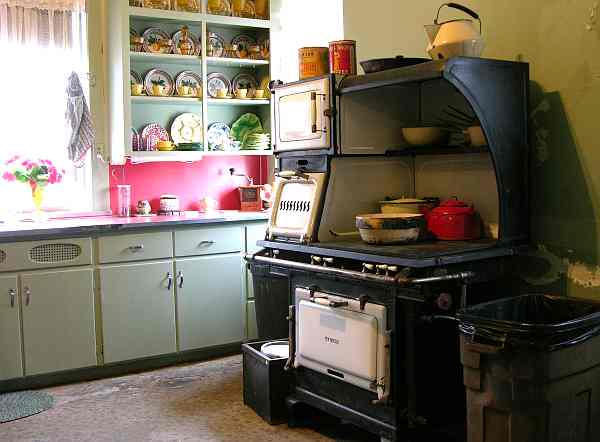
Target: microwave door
{"points": [[301, 123]]}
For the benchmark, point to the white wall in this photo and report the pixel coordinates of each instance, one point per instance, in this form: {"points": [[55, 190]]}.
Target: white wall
{"points": [[300, 24]]}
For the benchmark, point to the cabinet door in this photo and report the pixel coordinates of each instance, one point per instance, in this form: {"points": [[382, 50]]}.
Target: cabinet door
{"points": [[10, 329], [58, 320], [210, 303], [251, 328], [138, 310]]}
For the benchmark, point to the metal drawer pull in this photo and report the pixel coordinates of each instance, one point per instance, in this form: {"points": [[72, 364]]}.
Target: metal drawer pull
{"points": [[206, 243], [27, 295], [137, 248], [12, 293], [180, 277], [169, 281]]}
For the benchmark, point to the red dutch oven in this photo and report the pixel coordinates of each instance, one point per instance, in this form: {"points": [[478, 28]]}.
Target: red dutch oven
{"points": [[454, 220]]}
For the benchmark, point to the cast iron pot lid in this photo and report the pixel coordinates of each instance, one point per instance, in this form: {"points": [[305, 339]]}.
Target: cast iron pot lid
{"points": [[276, 349]]}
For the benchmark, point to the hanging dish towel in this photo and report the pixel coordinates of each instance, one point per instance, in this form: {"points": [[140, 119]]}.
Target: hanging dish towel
{"points": [[79, 120]]}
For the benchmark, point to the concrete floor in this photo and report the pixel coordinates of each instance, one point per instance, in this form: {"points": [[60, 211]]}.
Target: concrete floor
{"points": [[195, 402]]}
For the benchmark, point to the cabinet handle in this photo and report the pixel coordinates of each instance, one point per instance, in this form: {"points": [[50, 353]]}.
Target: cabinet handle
{"points": [[206, 243], [11, 294], [169, 281], [137, 248], [180, 277], [27, 295]]}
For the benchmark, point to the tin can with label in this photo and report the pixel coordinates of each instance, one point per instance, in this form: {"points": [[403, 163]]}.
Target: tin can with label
{"points": [[313, 62], [342, 57]]}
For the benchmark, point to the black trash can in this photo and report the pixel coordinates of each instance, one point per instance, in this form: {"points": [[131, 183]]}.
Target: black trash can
{"points": [[266, 383], [532, 369], [271, 297]]}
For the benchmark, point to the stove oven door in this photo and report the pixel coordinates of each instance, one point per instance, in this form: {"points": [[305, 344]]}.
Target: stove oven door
{"points": [[302, 115], [343, 342]]}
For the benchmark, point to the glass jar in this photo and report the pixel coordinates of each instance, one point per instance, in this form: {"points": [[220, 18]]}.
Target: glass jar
{"points": [[123, 200]]}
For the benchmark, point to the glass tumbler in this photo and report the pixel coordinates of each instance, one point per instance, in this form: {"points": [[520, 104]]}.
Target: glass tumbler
{"points": [[123, 200]]}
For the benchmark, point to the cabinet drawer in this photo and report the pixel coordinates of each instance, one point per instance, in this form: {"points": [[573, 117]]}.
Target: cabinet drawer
{"points": [[119, 248], [209, 240], [31, 255]]}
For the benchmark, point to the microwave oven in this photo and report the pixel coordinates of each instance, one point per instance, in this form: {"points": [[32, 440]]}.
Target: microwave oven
{"points": [[314, 116]]}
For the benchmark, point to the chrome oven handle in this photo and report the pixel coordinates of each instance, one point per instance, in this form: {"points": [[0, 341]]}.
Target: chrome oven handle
{"points": [[313, 112]]}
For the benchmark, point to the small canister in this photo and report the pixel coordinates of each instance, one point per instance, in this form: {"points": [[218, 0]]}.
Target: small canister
{"points": [[342, 57], [313, 62]]}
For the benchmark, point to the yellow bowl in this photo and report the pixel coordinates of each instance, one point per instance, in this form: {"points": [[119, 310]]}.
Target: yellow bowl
{"points": [[165, 148]]}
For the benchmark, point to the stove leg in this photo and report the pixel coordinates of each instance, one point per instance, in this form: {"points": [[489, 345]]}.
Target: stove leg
{"points": [[293, 420]]}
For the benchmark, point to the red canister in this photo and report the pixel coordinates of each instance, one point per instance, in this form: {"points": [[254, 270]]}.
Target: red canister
{"points": [[342, 57]]}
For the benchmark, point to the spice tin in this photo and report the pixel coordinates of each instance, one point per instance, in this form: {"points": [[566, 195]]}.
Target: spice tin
{"points": [[342, 57], [313, 62]]}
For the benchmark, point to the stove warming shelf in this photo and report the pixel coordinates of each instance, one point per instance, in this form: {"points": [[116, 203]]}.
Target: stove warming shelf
{"points": [[418, 255]]}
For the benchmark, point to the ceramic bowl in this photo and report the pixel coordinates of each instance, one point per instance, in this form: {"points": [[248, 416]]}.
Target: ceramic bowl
{"points": [[390, 228]]}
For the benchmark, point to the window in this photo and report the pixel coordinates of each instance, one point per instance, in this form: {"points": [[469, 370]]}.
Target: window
{"points": [[42, 42]]}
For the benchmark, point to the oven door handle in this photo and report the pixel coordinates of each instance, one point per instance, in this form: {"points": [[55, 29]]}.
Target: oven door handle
{"points": [[329, 303]]}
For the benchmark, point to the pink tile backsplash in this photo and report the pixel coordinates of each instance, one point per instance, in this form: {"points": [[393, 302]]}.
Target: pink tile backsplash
{"points": [[190, 181]]}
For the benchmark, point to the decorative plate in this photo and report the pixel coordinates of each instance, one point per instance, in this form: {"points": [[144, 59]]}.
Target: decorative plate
{"points": [[156, 41], [264, 85], [216, 45], [187, 128], [134, 77], [217, 81], [177, 37], [152, 134], [244, 81], [249, 10], [186, 5], [219, 7], [243, 42], [160, 76], [218, 136], [245, 125], [192, 79]]}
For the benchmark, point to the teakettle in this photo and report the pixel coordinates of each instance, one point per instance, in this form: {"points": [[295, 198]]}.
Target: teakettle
{"points": [[454, 37]]}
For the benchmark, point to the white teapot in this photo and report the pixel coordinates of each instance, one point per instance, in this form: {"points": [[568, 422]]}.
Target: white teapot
{"points": [[454, 37]]}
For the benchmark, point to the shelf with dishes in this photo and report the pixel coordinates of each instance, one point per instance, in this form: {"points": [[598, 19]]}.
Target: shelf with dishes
{"points": [[230, 12], [235, 62], [145, 57], [141, 99], [238, 102], [159, 86]]}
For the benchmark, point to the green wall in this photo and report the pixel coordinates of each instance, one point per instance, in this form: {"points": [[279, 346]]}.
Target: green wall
{"points": [[560, 39]]}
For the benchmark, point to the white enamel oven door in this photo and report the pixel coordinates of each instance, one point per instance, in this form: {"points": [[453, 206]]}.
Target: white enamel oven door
{"points": [[343, 342], [301, 116]]}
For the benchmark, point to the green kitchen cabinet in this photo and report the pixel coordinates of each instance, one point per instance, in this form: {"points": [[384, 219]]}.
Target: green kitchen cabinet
{"points": [[10, 329], [251, 327], [138, 310], [58, 320], [210, 301]]}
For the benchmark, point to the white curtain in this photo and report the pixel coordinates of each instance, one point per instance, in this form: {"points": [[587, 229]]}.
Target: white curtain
{"points": [[40, 22]]}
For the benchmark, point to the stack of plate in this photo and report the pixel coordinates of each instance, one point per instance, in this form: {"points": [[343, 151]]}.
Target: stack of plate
{"points": [[257, 141]]}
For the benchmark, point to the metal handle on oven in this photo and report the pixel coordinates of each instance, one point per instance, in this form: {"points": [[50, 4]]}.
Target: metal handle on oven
{"points": [[313, 112], [206, 243], [11, 294], [27, 295], [329, 303], [137, 248], [289, 174]]}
